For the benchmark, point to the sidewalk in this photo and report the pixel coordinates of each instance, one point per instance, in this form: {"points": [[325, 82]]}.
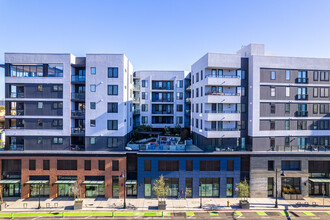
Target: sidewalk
{"points": [[102, 204]]}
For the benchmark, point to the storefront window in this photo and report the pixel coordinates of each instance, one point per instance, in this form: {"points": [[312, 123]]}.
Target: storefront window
{"points": [[189, 187], [270, 186], [115, 187], [229, 188], [147, 187], [65, 187], [131, 189], [209, 187], [291, 185], [34, 190], [12, 190], [172, 185], [95, 190]]}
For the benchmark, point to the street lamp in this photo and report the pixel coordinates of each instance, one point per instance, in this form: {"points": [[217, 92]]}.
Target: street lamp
{"points": [[123, 176], [39, 206], [282, 174], [200, 196]]}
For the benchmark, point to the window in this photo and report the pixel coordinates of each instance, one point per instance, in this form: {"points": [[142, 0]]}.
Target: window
{"points": [[287, 74], [189, 187], [115, 186], [209, 165], [55, 70], [179, 120], [88, 165], [209, 187], [32, 164], [201, 74], [93, 70], [40, 122], [287, 91], [93, 123], [324, 76], [179, 83], [101, 164], [93, 88], [324, 125], [40, 88], [57, 140], [197, 77], [147, 187], [112, 107], [145, 83], [272, 108], [272, 91], [144, 107], [287, 108], [287, 125], [287, 141], [179, 108], [291, 184], [272, 125], [272, 142], [315, 90], [179, 95], [315, 109], [92, 140], [230, 165], [66, 164], [115, 165], [272, 75], [202, 91], [189, 165], [147, 165], [113, 72], [324, 108], [58, 88], [229, 187], [57, 123], [144, 95], [57, 105], [324, 92], [270, 165], [112, 89], [168, 165], [144, 119], [112, 124], [290, 165], [40, 105], [45, 164], [316, 76], [112, 142], [92, 105], [196, 123], [301, 125]]}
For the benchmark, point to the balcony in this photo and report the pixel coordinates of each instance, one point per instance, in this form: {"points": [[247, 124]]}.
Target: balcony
{"points": [[302, 80], [136, 112], [215, 97], [80, 79], [301, 114], [17, 112], [227, 80], [16, 147], [78, 131], [301, 148], [17, 95], [136, 88], [162, 143], [221, 129], [77, 147], [223, 115], [78, 96], [77, 113], [136, 100], [188, 112], [188, 100], [301, 97], [222, 112], [222, 93], [163, 100], [222, 132], [221, 76]]}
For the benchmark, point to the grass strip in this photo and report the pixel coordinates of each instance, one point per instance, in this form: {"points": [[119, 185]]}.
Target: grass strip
{"points": [[328, 213], [35, 214], [213, 213], [88, 213], [261, 213], [309, 213], [190, 213], [152, 213], [4, 214], [238, 213]]}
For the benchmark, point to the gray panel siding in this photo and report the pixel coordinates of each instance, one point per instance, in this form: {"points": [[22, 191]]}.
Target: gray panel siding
{"points": [[102, 143], [31, 91], [31, 108], [31, 143]]}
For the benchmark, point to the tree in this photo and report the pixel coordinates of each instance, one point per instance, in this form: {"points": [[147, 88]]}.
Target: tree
{"points": [[76, 191], [243, 190], [159, 188], [1, 193]]}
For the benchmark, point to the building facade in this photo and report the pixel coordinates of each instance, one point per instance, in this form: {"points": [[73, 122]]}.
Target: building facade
{"points": [[69, 125]]}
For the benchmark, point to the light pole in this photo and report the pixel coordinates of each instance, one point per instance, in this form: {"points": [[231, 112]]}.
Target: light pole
{"points": [[123, 176], [276, 191], [39, 206], [200, 196]]}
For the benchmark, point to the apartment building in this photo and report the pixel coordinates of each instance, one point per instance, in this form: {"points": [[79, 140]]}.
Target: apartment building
{"points": [[69, 122]]}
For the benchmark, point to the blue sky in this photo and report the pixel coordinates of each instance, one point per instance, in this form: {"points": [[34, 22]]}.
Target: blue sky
{"points": [[168, 34]]}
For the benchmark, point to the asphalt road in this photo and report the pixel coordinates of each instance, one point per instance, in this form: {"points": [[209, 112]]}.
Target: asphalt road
{"points": [[251, 215]]}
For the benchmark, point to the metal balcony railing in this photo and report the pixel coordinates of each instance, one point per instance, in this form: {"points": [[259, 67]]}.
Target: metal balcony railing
{"points": [[222, 76], [301, 114], [78, 78], [223, 112], [222, 93], [17, 112], [301, 148], [77, 113], [301, 97], [17, 95], [79, 96], [221, 129], [16, 147], [77, 130], [302, 80]]}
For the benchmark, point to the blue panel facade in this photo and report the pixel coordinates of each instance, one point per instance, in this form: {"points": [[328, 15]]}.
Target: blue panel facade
{"points": [[182, 174]]}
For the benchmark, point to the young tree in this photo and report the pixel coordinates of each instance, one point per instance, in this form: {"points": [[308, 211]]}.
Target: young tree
{"points": [[1, 193], [159, 188], [243, 190], [76, 191]]}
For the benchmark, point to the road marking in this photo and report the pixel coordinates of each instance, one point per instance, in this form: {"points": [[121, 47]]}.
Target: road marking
{"points": [[309, 213], [261, 213]]}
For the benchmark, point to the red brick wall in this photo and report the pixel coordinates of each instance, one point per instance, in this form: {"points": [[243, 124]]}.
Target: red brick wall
{"points": [[80, 173]]}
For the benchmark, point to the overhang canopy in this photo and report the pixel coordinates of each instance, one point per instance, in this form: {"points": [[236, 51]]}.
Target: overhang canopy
{"points": [[65, 181], [42, 182], [10, 181], [93, 182], [320, 180], [131, 182]]}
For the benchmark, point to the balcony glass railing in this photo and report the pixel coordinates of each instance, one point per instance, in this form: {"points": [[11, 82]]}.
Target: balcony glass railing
{"points": [[188, 99], [136, 99], [136, 87], [301, 148], [163, 100], [302, 80], [221, 129], [223, 112], [136, 112], [16, 147], [222, 93], [17, 95], [302, 97], [77, 147], [301, 113], [222, 76], [77, 113], [78, 130], [78, 78], [80, 96], [17, 112]]}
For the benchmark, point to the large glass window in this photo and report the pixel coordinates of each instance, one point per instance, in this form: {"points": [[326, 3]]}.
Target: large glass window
{"points": [[26, 71], [207, 165], [147, 187], [112, 124], [55, 70], [290, 164], [209, 187], [113, 72], [66, 190], [189, 188], [168, 165], [272, 75], [291, 185], [112, 107], [112, 142], [229, 187], [112, 89], [115, 187], [172, 185], [95, 190], [270, 186]]}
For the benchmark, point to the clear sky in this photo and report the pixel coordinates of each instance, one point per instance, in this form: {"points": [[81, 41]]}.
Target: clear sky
{"points": [[164, 34]]}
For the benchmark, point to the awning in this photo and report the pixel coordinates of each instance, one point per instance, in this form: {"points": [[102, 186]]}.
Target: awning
{"points": [[320, 180], [131, 182], [93, 182], [10, 181], [42, 182], [65, 182]]}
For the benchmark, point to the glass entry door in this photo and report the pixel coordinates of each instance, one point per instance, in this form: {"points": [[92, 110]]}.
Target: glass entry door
{"points": [[131, 190]]}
